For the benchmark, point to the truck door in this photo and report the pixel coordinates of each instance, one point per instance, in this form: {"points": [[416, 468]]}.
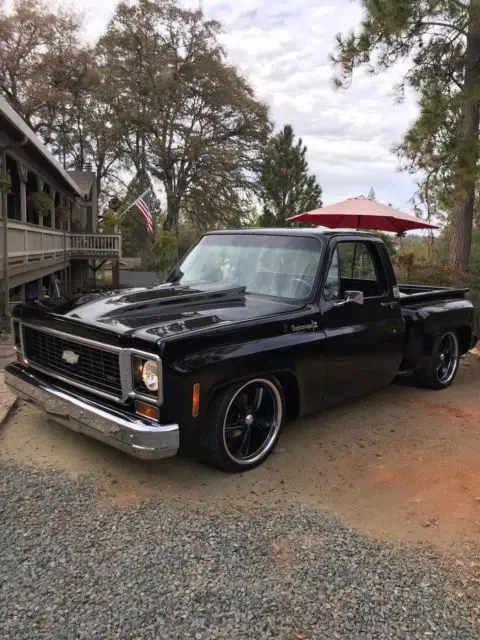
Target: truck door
{"points": [[363, 328]]}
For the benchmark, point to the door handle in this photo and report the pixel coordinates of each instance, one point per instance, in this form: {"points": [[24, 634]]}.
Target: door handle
{"points": [[388, 305]]}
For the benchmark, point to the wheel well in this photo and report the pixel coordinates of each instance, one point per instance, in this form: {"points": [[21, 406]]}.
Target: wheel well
{"points": [[292, 395], [464, 335], [464, 338]]}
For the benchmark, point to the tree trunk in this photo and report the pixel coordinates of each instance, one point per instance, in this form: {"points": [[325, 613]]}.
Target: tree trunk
{"points": [[466, 173], [98, 183], [171, 221]]}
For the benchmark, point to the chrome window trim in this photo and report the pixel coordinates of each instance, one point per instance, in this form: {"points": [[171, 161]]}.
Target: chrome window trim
{"points": [[125, 363]]}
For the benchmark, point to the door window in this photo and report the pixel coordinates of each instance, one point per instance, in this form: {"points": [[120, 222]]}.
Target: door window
{"points": [[354, 266]]}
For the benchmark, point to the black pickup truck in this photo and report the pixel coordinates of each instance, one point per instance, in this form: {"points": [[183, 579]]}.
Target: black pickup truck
{"points": [[252, 328]]}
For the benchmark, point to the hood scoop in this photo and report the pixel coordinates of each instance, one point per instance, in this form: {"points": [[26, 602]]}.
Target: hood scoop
{"points": [[170, 297]]}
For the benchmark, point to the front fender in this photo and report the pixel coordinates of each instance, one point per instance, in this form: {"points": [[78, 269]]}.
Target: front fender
{"points": [[294, 354]]}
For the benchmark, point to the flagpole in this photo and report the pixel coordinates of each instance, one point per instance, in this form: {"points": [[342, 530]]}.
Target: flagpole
{"points": [[134, 203]]}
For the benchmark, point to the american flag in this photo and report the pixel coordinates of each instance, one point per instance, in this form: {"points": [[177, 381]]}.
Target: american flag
{"points": [[144, 205]]}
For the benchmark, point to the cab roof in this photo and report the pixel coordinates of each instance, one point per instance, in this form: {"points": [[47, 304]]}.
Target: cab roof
{"points": [[298, 231]]}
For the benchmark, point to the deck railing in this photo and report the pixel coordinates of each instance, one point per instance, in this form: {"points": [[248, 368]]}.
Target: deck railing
{"points": [[96, 244], [31, 243]]}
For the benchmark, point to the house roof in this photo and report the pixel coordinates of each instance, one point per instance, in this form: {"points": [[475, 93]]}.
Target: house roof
{"points": [[12, 118], [84, 179]]}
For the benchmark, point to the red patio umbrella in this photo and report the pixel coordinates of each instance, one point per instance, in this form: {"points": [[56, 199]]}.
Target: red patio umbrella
{"points": [[362, 213]]}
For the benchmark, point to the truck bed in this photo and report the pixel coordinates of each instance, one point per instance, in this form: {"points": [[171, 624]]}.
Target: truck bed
{"points": [[418, 293]]}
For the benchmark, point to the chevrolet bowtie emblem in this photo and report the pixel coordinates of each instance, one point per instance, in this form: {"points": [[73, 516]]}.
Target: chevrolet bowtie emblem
{"points": [[71, 357]]}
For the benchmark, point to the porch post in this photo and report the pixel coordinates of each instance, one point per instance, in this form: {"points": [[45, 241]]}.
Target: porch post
{"points": [[69, 207], [115, 273], [23, 175], [53, 193], [40, 289], [4, 308], [40, 186]]}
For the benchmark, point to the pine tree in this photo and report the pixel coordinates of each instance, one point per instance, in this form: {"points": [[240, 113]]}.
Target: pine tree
{"points": [[372, 195], [440, 42], [286, 186]]}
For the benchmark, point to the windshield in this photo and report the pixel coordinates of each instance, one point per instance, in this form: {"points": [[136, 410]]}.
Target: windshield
{"points": [[282, 266]]}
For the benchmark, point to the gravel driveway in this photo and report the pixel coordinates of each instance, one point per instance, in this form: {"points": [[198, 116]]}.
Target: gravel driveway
{"points": [[73, 567], [96, 545]]}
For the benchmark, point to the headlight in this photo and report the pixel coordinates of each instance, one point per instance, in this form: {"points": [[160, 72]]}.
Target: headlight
{"points": [[150, 375], [147, 376]]}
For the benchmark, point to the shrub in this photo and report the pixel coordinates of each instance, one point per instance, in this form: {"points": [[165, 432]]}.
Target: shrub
{"points": [[42, 203], [5, 182], [166, 251]]}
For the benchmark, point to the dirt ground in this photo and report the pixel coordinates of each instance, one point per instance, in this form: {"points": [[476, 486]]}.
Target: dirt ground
{"points": [[403, 463]]}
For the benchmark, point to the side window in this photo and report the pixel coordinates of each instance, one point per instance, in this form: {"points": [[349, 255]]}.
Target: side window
{"points": [[355, 266], [356, 261]]}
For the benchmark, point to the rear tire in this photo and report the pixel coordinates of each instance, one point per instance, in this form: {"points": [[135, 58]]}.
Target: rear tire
{"points": [[440, 368], [244, 424]]}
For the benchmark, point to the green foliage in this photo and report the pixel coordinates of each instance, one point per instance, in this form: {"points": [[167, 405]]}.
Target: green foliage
{"points": [[422, 260], [184, 114], [188, 235], [43, 65], [42, 203], [286, 187], [62, 213], [154, 95], [136, 241], [166, 250], [109, 221], [439, 41], [372, 195], [5, 182], [204, 211], [255, 218], [389, 241]]}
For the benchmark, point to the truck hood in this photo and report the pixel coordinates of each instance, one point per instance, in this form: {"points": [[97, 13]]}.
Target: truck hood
{"points": [[171, 310]]}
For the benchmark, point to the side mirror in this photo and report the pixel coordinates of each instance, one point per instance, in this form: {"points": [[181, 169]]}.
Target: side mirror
{"points": [[353, 297]]}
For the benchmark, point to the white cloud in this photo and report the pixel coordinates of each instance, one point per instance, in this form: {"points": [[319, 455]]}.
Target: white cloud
{"points": [[283, 48]]}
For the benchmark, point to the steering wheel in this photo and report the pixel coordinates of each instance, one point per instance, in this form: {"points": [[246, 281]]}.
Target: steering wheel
{"points": [[301, 283]]}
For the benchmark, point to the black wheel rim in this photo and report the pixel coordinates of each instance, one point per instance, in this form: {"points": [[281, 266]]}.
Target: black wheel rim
{"points": [[447, 358], [252, 421]]}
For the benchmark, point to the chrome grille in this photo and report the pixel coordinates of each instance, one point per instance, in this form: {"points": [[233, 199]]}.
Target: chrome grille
{"points": [[95, 368]]}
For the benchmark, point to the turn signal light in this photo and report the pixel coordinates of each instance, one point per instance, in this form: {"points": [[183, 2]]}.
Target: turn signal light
{"points": [[147, 410], [196, 400], [21, 359]]}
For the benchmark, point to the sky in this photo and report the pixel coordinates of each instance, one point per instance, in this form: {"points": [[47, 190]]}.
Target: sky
{"points": [[282, 47]]}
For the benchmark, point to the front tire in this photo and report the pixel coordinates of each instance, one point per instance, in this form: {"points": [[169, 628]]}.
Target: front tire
{"points": [[440, 368], [244, 424]]}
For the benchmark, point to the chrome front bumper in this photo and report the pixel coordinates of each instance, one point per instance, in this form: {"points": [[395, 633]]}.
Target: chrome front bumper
{"points": [[139, 437]]}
